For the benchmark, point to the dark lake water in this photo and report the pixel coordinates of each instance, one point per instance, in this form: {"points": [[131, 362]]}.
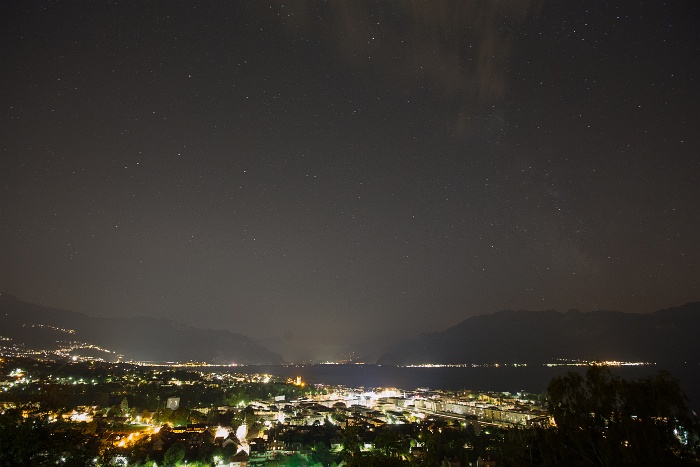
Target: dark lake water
{"points": [[532, 379]]}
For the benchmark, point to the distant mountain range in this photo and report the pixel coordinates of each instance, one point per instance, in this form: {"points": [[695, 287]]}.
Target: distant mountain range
{"points": [[664, 336], [543, 336], [136, 338]]}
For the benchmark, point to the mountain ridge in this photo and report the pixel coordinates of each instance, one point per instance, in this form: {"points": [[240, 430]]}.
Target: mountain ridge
{"points": [[522, 336], [140, 338]]}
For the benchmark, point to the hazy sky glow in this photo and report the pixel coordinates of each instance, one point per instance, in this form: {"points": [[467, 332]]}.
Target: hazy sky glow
{"points": [[330, 172]]}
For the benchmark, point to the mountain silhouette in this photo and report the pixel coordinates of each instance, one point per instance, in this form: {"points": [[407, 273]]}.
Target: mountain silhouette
{"points": [[136, 338], [668, 335]]}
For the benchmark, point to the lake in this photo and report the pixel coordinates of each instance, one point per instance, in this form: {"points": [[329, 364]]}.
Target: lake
{"points": [[532, 379]]}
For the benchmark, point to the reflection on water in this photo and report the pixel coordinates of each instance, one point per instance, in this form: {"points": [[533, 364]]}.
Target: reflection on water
{"points": [[533, 379]]}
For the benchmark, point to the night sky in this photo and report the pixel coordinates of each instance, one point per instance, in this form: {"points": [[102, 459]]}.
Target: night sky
{"points": [[323, 175]]}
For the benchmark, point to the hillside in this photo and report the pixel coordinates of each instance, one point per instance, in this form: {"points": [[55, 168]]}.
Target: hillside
{"points": [[543, 336], [136, 338]]}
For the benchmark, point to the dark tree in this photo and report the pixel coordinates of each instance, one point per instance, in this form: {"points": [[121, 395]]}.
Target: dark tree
{"points": [[175, 454], [351, 442], [321, 454], [36, 441], [602, 419], [391, 443]]}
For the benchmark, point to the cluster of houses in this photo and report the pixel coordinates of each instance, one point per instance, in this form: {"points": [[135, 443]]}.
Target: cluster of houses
{"points": [[279, 427], [270, 437]]}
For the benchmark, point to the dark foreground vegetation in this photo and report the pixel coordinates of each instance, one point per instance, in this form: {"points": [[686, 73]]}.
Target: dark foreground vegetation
{"points": [[596, 419]]}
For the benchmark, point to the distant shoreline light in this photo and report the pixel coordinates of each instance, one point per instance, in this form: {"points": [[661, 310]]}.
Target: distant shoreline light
{"points": [[599, 363], [516, 365], [561, 362], [463, 365]]}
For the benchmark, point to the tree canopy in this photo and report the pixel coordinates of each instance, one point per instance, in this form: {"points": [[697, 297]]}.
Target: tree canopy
{"points": [[602, 419]]}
